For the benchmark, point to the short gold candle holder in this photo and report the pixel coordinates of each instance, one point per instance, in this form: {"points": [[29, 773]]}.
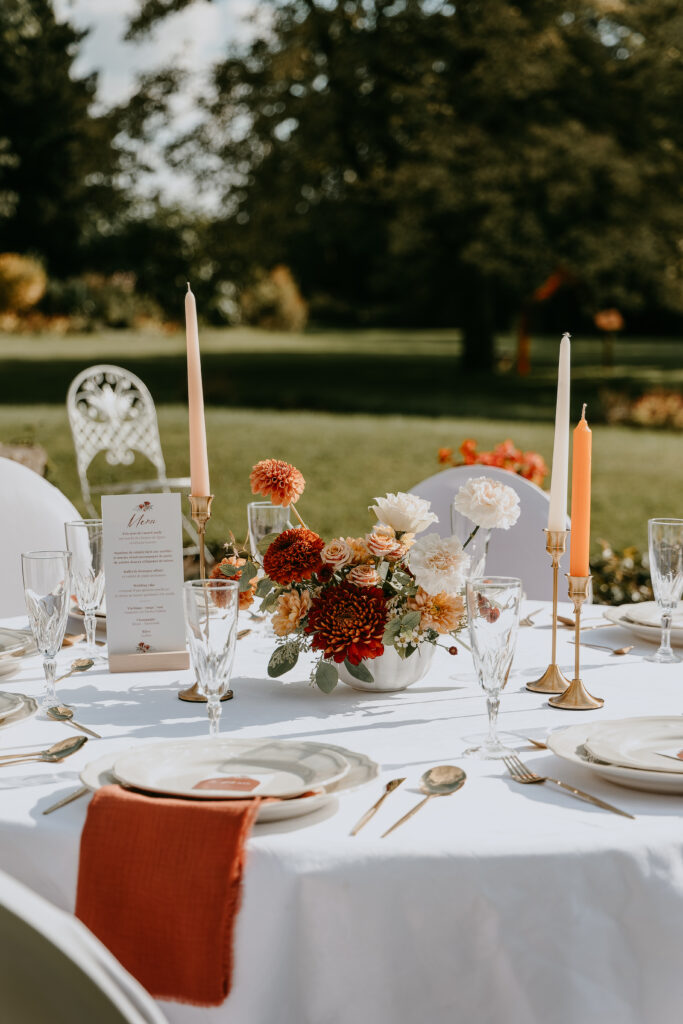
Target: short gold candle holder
{"points": [[553, 679], [200, 510], [576, 697]]}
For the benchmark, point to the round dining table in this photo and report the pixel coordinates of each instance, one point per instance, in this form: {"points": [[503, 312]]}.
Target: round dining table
{"points": [[499, 903]]}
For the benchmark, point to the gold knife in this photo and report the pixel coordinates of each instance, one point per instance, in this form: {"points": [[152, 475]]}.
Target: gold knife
{"points": [[390, 787], [590, 799], [67, 800]]}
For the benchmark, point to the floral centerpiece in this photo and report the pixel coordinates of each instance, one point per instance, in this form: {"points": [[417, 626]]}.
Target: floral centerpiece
{"points": [[351, 599]]}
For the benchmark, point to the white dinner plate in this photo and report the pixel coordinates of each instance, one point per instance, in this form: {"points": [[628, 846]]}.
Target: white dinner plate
{"points": [[361, 771], [27, 707], [624, 613], [569, 744], [634, 742], [9, 703], [13, 641], [229, 768]]}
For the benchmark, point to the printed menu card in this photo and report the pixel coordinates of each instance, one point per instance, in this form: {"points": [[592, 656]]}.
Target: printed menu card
{"points": [[143, 569]]}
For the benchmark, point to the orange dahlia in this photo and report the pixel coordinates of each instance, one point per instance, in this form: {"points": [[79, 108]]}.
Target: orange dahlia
{"points": [[348, 622], [293, 556], [246, 596], [276, 480]]}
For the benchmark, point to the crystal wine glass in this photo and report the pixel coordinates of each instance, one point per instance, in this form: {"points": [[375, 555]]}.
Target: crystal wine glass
{"points": [[211, 609], [47, 590], [84, 540], [264, 518], [493, 617], [666, 569]]}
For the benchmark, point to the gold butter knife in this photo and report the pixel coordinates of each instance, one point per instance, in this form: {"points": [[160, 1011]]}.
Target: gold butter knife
{"points": [[390, 787], [67, 799]]}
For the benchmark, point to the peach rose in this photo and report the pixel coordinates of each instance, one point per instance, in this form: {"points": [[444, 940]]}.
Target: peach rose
{"points": [[337, 553], [292, 607], [363, 576], [383, 544]]}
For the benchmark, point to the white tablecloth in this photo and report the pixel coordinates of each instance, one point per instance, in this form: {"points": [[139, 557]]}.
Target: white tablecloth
{"points": [[500, 903]]}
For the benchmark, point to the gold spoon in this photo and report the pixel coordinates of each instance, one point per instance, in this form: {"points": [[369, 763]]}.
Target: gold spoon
{"points": [[63, 713], [390, 787], [57, 752], [79, 665], [604, 647], [528, 620], [440, 781]]}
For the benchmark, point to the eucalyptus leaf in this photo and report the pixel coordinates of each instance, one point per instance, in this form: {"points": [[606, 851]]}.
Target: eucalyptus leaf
{"points": [[265, 542], [411, 620], [270, 601], [359, 672], [264, 586], [229, 570], [326, 676], [283, 659], [391, 631]]}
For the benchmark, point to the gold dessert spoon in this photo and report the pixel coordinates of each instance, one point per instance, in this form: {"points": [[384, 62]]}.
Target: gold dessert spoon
{"points": [[62, 713], [440, 781]]}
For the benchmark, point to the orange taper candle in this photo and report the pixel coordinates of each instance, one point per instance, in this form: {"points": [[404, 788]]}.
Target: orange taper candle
{"points": [[581, 499]]}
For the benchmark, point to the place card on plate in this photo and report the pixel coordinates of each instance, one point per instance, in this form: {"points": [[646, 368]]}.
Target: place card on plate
{"points": [[143, 567]]}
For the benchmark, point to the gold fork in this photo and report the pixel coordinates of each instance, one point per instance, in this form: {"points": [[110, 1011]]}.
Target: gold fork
{"points": [[520, 773]]}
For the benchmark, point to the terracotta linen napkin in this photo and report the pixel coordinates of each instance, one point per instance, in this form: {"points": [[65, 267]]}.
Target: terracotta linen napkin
{"points": [[159, 883]]}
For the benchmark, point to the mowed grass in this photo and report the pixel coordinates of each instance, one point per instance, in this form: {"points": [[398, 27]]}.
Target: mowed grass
{"points": [[348, 459]]}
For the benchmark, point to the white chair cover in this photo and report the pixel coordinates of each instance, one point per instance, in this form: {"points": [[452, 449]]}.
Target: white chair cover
{"points": [[519, 551], [32, 517], [53, 969]]}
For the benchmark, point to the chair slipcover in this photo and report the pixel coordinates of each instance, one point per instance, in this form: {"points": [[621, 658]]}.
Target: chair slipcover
{"points": [[519, 551], [53, 969], [32, 517]]}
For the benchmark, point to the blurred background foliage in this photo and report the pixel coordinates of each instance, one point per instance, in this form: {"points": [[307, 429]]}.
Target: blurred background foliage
{"points": [[393, 162]]}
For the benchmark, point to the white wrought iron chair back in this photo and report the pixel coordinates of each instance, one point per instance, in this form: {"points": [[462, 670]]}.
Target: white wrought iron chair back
{"points": [[112, 411]]}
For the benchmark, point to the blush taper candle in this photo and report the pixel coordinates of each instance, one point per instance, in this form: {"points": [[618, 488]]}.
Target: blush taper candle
{"points": [[199, 460], [581, 499]]}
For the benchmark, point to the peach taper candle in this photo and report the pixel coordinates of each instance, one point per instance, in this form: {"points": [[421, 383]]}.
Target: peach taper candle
{"points": [[579, 546], [199, 461]]}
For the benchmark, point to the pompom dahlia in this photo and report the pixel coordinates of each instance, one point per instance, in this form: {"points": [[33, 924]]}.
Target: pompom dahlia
{"points": [[348, 622], [278, 481], [293, 556]]}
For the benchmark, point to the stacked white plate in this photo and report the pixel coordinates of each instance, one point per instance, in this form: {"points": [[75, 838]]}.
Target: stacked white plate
{"points": [[645, 621], [14, 645], [640, 753], [15, 707], [296, 777]]}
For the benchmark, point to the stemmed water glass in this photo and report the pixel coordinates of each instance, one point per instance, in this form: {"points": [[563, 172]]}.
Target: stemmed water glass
{"points": [[84, 540], [665, 538], [263, 519], [47, 591], [211, 609], [493, 618]]}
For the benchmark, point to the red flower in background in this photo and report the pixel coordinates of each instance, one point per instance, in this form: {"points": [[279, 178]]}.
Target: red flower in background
{"points": [[505, 455]]}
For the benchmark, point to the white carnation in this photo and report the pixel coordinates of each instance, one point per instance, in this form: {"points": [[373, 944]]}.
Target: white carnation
{"points": [[488, 503], [406, 513], [439, 564]]}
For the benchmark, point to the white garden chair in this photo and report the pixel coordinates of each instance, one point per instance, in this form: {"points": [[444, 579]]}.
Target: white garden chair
{"points": [[53, 969], [519, 551], [32, 517], [112, 411]]}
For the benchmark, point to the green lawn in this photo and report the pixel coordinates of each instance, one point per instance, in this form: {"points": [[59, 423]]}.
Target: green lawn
{"points": [[359, 413]]}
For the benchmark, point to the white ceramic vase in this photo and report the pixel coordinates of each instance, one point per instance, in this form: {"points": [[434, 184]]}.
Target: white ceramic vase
{"points": [[391, 672]]}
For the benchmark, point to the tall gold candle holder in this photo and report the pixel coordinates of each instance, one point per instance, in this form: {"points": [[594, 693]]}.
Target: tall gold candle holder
{"points": [[576, 697], [200, 510], [553, 680]]}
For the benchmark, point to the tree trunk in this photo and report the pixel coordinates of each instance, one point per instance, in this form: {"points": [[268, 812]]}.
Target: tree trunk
{"points": [[477, 322]]}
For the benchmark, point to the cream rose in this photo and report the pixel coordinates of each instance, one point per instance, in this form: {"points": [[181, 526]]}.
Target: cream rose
{"points": [[363, 576], [337, 553], [439, 564], [382, 543], [488, 503], [406, 513]]}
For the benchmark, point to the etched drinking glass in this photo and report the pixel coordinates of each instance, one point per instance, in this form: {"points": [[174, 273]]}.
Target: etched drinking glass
{"points": [[263, 519], [493, 618], [47, 591], [84, 541], [211, 609], [665, 538]]}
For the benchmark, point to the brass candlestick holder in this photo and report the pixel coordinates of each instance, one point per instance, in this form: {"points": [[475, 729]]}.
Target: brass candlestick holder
{"points": [[576, 697], [200, 510], [553, 679]]}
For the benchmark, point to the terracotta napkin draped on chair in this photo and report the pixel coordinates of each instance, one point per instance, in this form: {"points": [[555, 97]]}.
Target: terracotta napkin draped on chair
{"points": [[159, 884]]}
